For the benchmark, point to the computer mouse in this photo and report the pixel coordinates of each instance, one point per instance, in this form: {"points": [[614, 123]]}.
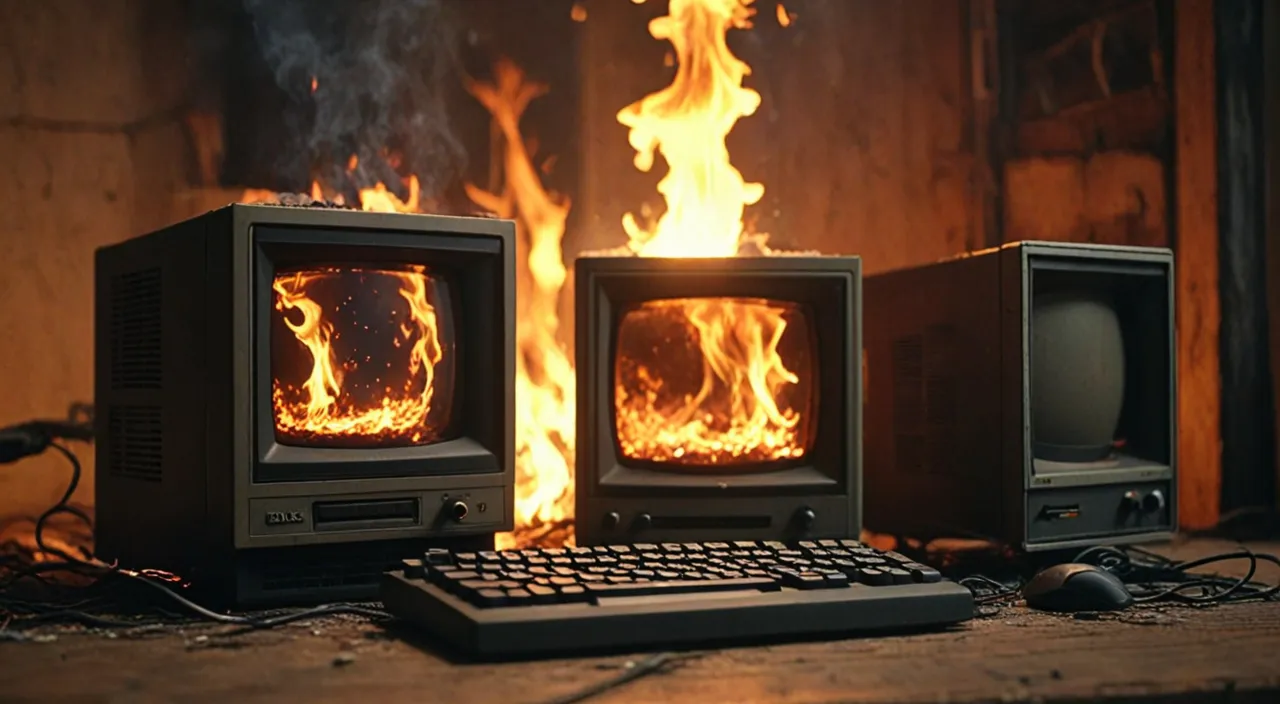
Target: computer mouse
{"points": [[1070, 588]]}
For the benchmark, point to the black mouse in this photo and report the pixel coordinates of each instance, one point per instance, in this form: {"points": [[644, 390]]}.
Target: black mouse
{"points": [[1071, 588]]}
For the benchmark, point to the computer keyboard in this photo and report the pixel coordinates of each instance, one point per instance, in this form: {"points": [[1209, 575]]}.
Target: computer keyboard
{"points": [[531, 602]]}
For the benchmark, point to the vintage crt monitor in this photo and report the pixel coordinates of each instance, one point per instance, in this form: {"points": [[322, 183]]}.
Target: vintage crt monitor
{"points": [[1024, 394], [292, 398], [718, 398]]}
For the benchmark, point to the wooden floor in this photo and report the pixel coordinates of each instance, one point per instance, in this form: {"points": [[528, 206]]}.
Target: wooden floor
{"points": [[1227, 653]]}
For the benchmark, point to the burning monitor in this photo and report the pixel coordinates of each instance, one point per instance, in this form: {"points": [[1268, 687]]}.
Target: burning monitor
{"points": [[1024, 394], [293, 398], [718, 398]]}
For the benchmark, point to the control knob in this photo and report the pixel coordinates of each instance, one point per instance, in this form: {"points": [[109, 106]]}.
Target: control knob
{"points": [[805, 518], [642, 522], [612, 520], [458, 511], [1153, 502], [1131, 502]]}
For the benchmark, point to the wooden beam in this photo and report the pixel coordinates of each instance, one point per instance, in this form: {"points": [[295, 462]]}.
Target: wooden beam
{"points": [[1271, 144], [1196, 238]]}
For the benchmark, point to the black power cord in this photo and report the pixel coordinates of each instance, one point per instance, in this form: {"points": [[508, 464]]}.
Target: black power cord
{"points": [[29, 439]]}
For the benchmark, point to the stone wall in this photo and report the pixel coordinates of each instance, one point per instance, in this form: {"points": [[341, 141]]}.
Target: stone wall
{"points": [[91, 145]]}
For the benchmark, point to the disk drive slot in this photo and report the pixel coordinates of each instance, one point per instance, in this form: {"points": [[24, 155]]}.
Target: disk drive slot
{"points": [[350, 514]]}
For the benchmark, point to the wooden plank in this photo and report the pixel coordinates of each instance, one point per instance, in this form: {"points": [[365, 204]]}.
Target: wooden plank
{"points": [[1196, 240], [1227, 654]]}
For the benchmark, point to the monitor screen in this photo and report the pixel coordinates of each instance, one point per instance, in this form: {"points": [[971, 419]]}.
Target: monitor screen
{"points": [[705, 383], [362, 356]]}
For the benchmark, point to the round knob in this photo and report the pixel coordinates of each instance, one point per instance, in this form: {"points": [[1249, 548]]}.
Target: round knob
{"points": [[459, 510], [805, 518], [612, 520], [1130, 502], [642, 521], [1153, 501]]}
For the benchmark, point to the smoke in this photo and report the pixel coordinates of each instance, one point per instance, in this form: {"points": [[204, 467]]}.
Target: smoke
{"points": [[377, 74]]}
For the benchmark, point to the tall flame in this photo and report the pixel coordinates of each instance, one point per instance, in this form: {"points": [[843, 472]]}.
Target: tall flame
{"points": [[545, 378], [735, 411], [687, 122]]}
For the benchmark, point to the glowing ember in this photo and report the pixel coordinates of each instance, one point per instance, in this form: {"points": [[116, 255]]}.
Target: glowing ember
{"points": [[381, 387], [683, 395]]}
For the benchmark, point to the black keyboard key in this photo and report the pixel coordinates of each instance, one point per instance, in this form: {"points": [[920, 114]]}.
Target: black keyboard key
{"points": [[829, 543], [476, 584], [519, 597], [589, 578], [465, 557], [923, 573], [553, 552], [836, 579], [579, 551], [900, 576], [803, 580], [489, 556], [744, 544], [808, 544], [646, 547], [716, 546], [668, 574], [459, 575], [874, 576], [519, 576], [574, 593], [542, 594], [672, 547], [489, 597], [563, 581], [413, 569], [561, 561], [716, 585], [615, 579], [465, 565], [437, 556], [620, 549], [564, 571], [691, 547], [491, 567]]}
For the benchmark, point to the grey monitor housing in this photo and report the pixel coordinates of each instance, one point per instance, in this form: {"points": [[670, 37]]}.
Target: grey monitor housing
{"points": [[994, 377], [191, 477], [621, 500]]}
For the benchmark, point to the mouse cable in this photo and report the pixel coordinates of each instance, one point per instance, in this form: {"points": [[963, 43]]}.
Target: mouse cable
{"points": [[89, 566], [1152, 577]]}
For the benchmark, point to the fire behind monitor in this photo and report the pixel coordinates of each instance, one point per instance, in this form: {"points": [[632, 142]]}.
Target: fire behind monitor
{"points": [[1024, 394], [294, 398], [718, 399]]}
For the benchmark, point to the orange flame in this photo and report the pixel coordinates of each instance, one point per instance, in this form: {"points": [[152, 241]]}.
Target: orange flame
{"points": [[701, 381], [545, 380], [736, 411], [687, 122], [320, 409]]}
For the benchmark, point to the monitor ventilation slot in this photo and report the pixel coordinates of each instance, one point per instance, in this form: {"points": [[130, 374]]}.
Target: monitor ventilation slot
{"points": [[134, 329], [925, 402], [909, 403], [135, 442]]}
